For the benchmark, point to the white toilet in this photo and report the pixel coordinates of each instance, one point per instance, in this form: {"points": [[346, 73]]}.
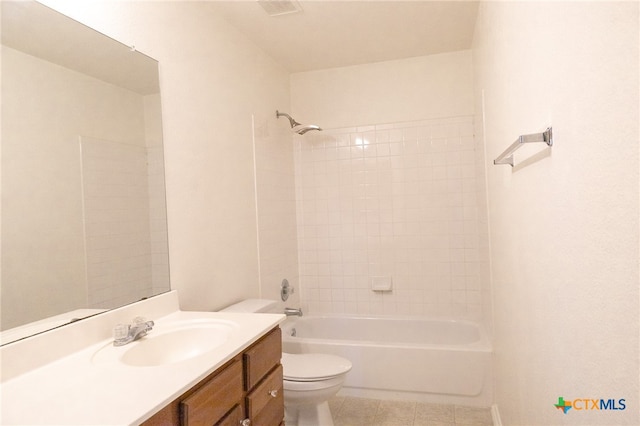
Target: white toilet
{"points": [[310, 380]]}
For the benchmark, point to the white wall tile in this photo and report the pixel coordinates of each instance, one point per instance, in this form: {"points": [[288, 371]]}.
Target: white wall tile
{"points": [[405, 207], [120, 268]]}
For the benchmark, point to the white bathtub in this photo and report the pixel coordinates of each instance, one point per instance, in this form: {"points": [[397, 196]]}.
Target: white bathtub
{"points": [[420, 359]]}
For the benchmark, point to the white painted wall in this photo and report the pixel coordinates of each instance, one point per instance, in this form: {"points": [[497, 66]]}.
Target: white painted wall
{"points": [[564, 221], [276, 200], [212, 81], [412, 89]]}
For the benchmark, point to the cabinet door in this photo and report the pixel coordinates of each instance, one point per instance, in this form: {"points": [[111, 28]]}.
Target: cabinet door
{"points": [[265, 404], [214, 399]]}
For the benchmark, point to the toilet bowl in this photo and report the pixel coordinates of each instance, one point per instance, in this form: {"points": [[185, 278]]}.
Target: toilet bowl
{"points": [[310, 379]]}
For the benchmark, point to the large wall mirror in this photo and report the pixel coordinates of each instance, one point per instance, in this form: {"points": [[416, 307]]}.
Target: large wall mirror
{"points": [[83, 197]]}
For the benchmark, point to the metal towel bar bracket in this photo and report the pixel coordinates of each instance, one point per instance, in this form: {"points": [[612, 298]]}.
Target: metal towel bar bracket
{"points": [[507, 156]]}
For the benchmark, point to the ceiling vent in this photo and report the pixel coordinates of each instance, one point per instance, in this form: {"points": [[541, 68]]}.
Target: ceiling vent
{"points": [[280, 7]]}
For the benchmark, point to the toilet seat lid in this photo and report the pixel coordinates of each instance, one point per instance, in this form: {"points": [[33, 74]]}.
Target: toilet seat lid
{"points": [[310, 367]]}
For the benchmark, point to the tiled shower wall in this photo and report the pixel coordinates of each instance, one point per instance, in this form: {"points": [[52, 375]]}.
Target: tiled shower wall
{"points": [[126, 249], [398, 201], [158, 220]]}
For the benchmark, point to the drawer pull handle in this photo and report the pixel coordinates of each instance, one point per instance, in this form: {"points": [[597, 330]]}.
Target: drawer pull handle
{"points": [[273, 393], [245, 422]]}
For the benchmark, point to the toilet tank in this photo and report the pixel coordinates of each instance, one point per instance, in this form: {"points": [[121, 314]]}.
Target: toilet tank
{"points": [[253, 305]]}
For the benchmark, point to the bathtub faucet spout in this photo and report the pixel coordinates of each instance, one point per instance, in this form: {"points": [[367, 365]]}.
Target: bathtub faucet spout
{"points": [[292, 311]]}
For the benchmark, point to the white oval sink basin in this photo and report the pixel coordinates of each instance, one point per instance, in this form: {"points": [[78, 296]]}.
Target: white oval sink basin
{"points": [[168, 343]]}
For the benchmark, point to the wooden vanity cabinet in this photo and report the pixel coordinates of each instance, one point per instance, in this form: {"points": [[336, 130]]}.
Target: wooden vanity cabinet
{"points": [[265, 404], [263, 380], [245, 391], [215, 398]]}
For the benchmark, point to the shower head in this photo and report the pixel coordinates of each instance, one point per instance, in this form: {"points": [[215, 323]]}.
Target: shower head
{"points": [[302, 129], [296, 127]]}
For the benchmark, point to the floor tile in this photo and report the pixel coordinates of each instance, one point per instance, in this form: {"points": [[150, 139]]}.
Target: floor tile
{"points": [[356, 412], [335, 404], [359, 406], [472, 416], [435, 412], [353, 421], [395, 413], [351, 411]]}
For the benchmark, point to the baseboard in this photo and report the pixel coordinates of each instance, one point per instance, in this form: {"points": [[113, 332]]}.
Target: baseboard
{"points": [[495, 415]]}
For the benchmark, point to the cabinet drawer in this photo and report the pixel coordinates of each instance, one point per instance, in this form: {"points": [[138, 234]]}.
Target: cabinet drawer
{"points": [[265, 404], [262, 357], [233, 418], [214, 399]]}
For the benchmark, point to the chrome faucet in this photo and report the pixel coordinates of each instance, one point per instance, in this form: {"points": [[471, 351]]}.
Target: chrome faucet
{"points": [[127, 333], [293, 311]]}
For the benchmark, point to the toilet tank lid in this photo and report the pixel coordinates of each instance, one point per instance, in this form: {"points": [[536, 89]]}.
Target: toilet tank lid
{"points": [[252, 305]]}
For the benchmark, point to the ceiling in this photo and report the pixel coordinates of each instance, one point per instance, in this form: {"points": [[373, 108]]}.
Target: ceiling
{"points": [[335, 33]]}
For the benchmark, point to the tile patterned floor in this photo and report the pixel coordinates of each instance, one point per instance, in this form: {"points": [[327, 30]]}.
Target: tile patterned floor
{"points": [[349, 411]]}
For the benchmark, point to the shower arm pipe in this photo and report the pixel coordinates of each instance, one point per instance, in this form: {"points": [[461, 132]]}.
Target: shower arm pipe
{"points": [[507, 156], [296, 127], [293, 122]]}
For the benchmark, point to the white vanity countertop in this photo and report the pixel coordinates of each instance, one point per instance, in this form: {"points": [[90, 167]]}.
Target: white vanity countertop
{"points": [[72, 390]]}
